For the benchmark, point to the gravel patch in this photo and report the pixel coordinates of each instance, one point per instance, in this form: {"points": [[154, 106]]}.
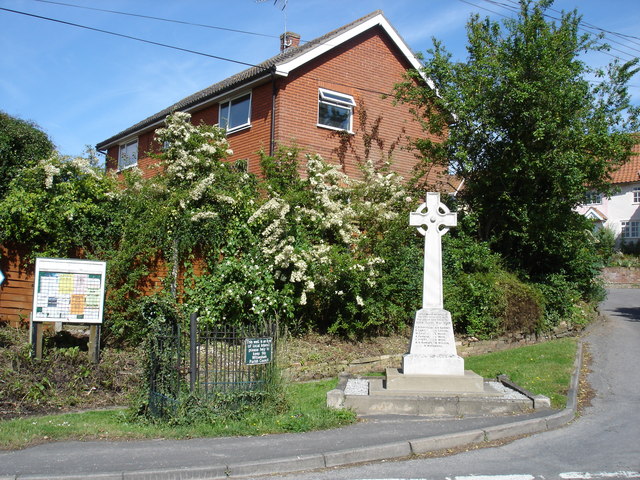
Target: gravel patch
{"points": [[507, 392], [357, 386]]}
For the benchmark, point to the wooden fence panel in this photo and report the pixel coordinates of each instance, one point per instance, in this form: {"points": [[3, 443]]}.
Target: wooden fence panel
{"points": [[16, 293]]}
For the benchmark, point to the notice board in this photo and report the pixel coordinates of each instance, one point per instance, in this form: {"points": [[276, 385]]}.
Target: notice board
{"points": [[69, 290]]}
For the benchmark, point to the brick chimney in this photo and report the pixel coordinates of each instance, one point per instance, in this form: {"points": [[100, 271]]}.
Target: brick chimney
{"points": [[288, 40]]}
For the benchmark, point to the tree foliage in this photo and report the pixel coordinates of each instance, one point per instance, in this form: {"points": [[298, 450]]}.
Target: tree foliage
{"points": [[528, 134], [22, 144]]}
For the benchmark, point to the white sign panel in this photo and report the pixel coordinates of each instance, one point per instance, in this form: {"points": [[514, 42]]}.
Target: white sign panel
{"points": [[69, 290]]}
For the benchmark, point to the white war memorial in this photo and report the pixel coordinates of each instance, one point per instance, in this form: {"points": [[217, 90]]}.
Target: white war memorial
{"points": [[432, 380], [432, 363]]}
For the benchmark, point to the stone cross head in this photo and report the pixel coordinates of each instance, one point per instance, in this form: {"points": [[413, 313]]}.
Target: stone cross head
{"points": [[433, 220]]}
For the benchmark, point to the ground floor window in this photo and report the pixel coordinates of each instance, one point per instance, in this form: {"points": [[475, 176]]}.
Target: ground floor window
{"points": [[630, 229]]}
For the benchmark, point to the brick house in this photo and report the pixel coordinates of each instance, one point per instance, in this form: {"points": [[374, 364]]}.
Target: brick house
{"points": [[322, 95]]}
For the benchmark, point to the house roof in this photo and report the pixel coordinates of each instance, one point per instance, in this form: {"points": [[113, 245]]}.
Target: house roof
{"points": [[595, 214], [630, 171], [280, 65]]}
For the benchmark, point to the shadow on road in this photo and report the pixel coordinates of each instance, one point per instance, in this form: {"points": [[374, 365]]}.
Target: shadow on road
{"points": [[632, 314]]}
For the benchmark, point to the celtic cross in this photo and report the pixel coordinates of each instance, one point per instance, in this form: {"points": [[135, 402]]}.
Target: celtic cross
{"points": [[433, 220]]}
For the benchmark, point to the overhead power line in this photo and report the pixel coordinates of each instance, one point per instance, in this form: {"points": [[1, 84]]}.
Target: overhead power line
{"points": [[121, 35], [513, 5], [161, 19], [590, 25]]}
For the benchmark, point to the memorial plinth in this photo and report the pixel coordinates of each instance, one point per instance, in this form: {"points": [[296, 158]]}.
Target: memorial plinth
{"points": [[433, 347]]}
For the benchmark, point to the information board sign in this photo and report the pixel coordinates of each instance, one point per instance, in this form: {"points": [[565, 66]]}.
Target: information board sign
{"points": [[69, 290], [257, 350], [1, 277]]}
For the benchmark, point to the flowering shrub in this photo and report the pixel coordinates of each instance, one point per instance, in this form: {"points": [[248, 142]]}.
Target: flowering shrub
{"points": [[196, 208], [59, 206], [304, 249]]}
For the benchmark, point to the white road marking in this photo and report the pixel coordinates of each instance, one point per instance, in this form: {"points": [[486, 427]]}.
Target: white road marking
{"points": [[496, 477], [565, 476], [589, 476]]}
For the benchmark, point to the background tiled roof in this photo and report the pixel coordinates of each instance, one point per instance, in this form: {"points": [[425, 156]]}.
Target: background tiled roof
{"points": [[630, 171]]}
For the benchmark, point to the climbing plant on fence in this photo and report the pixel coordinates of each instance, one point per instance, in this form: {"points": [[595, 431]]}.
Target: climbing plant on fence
{"points": [[195, 371]]}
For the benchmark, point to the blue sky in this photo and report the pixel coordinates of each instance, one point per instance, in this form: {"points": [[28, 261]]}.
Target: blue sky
{"points": [[82, 86]]}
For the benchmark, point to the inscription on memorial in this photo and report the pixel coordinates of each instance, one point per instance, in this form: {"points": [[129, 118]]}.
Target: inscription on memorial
{"points": [[433, 333]]}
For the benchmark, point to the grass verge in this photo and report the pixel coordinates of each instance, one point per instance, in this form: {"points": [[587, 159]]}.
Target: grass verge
{"points": [[544, 369], [306, 411]]}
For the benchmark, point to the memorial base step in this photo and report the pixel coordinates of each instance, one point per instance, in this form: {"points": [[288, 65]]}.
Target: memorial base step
{"points": [[397, 381]]}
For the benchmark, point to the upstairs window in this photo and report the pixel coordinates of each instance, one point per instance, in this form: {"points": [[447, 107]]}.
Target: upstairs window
{"points": [[335, 110], [593, 198], [128, 155], [235, 113], [636, 194]]}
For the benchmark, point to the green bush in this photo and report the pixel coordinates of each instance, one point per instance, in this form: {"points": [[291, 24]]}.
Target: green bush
{"points": [[605, 241], [484, 300], [562, 300], [630, 247]]}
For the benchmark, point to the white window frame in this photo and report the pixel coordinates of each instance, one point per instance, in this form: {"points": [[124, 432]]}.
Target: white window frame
{"points": [[128, 154], [336, 100], [636, 194], [593, 198], [229, 104], [630, 228]]}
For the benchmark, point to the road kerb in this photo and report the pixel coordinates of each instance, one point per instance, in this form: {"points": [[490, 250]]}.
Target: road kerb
{"points": [[367, 454], [282, 465], [441, 442]]}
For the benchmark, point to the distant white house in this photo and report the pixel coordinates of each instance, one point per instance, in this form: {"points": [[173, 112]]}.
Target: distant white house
{"points": [[621, 212]]}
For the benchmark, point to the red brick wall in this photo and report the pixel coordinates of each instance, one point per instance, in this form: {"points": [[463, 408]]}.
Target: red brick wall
{"points": [[247, 143], [366, 67]]}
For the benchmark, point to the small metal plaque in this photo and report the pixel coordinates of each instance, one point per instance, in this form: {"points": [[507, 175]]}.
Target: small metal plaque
{"points": [[258, 351]]}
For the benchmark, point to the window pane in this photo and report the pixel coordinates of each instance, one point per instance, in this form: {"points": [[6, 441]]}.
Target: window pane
{"points": [[636, 195], [240, 111], [334, 116], [128, 155], [630, 229], [336, 97], [224, 115]]}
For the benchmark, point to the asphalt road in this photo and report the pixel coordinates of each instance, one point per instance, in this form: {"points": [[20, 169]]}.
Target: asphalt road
{"points": [[604, 442]]}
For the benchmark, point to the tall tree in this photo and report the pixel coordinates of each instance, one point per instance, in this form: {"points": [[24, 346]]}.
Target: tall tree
{"points": [[22, 144], [528, 133]]}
